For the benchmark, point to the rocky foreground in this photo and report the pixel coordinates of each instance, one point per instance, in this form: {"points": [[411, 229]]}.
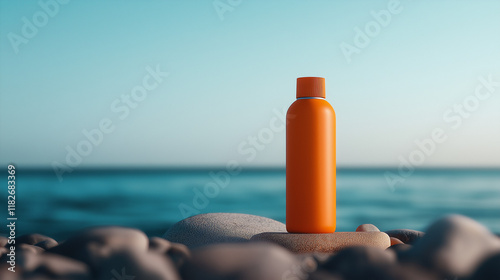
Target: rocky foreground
{"points": [[231, 246]]}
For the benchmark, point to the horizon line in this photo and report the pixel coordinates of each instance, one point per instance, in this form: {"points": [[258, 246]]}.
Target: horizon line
{"points": [[154, 169]]}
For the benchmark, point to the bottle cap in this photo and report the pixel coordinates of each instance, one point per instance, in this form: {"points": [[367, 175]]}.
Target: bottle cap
{"points": [[310, 87]]}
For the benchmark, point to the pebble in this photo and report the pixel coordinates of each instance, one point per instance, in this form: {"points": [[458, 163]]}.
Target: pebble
{"points": [[489, 269], [360, 255], [177, 252], [47, 244], [401, 251], [400, 247], [3, 251], [159, 245], [324, 242], [3, 241], [206, 229], [454, 246], [140, 265], [359, 263], [367, 228], [407, 236], [53, 266], [29, 249], [395, 241], [248, 261], [323, 275], [8, 275], [94, 245], [33, 239], [310, 262], [319, 258]]}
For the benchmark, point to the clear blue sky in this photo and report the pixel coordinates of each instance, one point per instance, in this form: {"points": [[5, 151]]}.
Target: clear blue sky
{"points": [[229, 71]]}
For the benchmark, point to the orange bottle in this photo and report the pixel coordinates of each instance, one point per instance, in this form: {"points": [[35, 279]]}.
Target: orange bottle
{"points": [[310, 160]]}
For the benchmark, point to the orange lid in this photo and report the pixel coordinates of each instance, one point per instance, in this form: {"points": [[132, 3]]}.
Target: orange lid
{"points": [[310, 87]]}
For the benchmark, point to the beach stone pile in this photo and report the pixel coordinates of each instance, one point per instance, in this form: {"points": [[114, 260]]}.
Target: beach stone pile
{"points": [[247, 247]]}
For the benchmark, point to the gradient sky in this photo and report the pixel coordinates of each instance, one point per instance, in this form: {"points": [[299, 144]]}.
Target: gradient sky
{"points": [[229, 73]]}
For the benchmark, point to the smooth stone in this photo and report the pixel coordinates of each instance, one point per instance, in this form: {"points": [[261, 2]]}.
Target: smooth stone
{"points": [[400, 247], [3, 251], [159, 245], [367, 228], [3, 241], [94, 245], [319, 258], [177, 252], [408, 236], [395, 241], [47, 244], [310, 262], [242, 261], [360, 263], [53, 267], [323, 275], [454, 246], [8, 275], [33, 239], [29, 249], [212, 228], [395, 273], [489, 269], [137, 265], [408, 272], [324, 242], [401, 251]]}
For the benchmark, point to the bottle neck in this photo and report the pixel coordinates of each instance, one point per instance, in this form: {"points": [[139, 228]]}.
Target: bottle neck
{"points": [[310, 97]]}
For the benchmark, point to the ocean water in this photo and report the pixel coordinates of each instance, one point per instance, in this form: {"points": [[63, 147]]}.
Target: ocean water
{"points": [[151, 200]]}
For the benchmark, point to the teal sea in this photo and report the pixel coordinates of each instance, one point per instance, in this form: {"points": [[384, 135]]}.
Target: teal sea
{"points": [[153, 200]]}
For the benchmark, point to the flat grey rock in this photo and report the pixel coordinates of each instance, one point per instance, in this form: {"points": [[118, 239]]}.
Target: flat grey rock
{"points": [[211, 228], [324, 242]]}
